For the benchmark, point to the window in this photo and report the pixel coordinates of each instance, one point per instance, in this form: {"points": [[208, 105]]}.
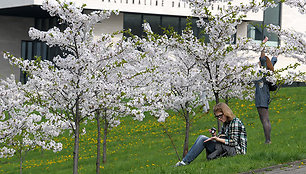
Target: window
{"points": [[255, 29], [171, 21], [154, 21], [198, 32], [32, 49], [272, 16], [134, 22]]}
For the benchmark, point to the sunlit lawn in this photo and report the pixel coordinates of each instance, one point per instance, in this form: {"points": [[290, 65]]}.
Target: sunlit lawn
{"points": [[142, 147]]}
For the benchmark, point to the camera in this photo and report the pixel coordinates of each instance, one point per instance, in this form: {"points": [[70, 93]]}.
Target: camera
{"points": [[213, 130]]}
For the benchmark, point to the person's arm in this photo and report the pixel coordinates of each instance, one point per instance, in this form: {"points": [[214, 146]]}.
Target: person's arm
{"points": [[274, 60], [263, 54], [265, 40], [221, 140]]}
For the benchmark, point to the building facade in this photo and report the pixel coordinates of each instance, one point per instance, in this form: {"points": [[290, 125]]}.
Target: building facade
{"points": [[17, 16]]}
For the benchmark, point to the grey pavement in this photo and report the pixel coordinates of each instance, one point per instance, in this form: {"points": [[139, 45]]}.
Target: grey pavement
{"points": [[296, 167]]}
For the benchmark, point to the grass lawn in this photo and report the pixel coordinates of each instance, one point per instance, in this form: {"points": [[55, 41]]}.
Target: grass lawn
{"points": [[142, 147]]}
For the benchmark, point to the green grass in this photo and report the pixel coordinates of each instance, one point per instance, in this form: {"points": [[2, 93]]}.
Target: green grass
{"points": [[142, 147]]}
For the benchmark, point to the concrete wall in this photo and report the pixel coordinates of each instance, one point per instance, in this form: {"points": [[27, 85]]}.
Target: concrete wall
{"points": [[165, 7], [12, 31], [242, 30], [292, 19], [15, 3]]}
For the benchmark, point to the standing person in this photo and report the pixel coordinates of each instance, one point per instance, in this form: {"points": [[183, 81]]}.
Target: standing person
{"points": [[262, 94], [231, 141]]}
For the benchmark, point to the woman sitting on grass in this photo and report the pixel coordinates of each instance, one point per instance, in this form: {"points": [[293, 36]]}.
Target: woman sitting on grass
{"points": [[231, 141]]}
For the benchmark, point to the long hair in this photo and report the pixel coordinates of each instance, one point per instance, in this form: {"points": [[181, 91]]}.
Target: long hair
{"points": [[222, 107], [269, 64]]}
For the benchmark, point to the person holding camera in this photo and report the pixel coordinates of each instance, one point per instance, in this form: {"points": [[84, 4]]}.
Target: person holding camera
{"points": [[231, 141], [262, 93]]}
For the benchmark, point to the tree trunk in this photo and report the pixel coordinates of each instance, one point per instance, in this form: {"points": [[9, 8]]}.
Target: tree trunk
{"points": [[104, 138], [76, 140], [217, 101], [20, 165], [98, 143], [186, 134], [76, 149]]}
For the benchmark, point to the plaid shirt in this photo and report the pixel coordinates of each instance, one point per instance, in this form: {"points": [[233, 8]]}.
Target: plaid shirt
{"points": [[235, 134]]}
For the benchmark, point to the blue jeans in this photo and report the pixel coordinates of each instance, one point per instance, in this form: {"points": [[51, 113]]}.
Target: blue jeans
{"points": [[198, 147]]}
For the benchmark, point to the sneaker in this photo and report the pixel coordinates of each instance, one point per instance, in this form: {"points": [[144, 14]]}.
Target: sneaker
{"points": [[180, 163]]}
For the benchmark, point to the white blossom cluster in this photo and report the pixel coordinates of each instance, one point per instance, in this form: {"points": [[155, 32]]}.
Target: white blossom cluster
{"points": [[176, 82], [23, 125], [225, 62], [300, 4], [294, 43], [184, 67]]}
